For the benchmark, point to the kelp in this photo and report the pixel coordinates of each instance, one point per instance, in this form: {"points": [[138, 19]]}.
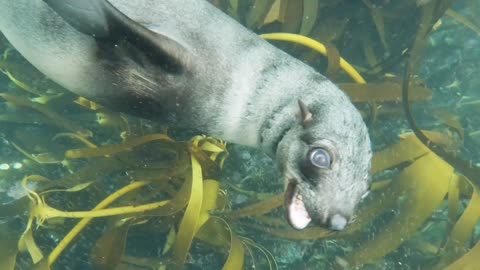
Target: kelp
{"points": [[426, 190], [384, 92], [56, 118], [144, 177]]}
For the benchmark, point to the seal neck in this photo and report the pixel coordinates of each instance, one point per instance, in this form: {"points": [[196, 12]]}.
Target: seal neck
{"points": [[276, 126]]}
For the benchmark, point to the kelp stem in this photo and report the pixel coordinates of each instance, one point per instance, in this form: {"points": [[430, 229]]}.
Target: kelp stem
{"points": [[84, 222], [319, 47]]}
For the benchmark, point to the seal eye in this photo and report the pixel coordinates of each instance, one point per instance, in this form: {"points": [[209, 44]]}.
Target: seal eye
{"points": [[320, 158]]}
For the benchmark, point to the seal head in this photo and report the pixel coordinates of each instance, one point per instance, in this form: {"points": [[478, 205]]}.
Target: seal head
{"points": [[325, 161]]}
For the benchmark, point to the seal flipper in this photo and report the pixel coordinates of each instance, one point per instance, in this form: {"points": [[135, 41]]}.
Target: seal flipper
{"points": [[105, 23]]}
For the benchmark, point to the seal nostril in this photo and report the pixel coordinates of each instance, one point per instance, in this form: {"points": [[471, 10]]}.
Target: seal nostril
{"points": [[337, 222]]}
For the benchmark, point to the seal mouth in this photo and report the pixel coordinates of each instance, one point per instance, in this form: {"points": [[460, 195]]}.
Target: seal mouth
{"points": [[297, 214]]}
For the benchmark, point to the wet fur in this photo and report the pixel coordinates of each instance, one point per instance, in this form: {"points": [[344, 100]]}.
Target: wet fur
{"points": [[228, 83]]}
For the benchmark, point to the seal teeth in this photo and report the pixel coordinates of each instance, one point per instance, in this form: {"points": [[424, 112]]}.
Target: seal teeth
{"points": [[297, 214]]}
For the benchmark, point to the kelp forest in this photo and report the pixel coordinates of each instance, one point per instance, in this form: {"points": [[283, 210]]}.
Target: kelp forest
{"points": [[85, 187]]}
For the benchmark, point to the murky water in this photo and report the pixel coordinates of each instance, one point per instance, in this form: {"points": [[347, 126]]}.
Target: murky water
{"points": [[84, 186]]}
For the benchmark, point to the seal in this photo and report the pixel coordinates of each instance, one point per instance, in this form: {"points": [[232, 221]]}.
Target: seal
{"points": [[190, 65]]}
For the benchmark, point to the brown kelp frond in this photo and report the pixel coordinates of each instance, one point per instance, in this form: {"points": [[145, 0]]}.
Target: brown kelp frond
{"points": [[84, 163]]}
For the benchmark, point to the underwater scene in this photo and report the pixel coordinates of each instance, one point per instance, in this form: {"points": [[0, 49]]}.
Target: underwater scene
{"points": [[85, 185]]}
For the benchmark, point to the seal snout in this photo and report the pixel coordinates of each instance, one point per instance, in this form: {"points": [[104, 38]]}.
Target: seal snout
{"points": [[337, 222]]}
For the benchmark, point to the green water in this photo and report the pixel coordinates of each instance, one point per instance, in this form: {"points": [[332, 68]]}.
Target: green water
{"points": [[424, 217]]}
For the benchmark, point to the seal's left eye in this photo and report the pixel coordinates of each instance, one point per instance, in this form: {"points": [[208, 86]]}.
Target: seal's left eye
{"points": [[320, 158]]}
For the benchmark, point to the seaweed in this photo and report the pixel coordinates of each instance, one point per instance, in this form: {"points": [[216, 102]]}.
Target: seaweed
{"points": [[113, 178]]}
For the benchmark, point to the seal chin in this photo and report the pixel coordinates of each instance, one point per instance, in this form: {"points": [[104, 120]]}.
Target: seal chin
{"points": [[297, 214]]}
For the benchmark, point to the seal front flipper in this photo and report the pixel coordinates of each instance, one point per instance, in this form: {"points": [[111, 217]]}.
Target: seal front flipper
{"points": [[140, 71], [101, 20]]}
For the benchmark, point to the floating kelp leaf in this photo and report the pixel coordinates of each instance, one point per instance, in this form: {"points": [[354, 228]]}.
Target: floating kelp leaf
{"points": [[217, 232], [260, 196], [190, 220], [426, 182], [258, 11], [333, 57], [42, 158], [76, 137], [276, 14], [376, 204], [44, 99], [114, 120], [75, 188], [27, 243], [109, 150], [108, 250], [378, 20], [383, 92], [293, 16], [408, 149], [462, 231], [88, 104], [453, 200], [259, 208], [171, 236], [26, 118], [21, 84], [56, 118], [211, 189], [459, 18], [92, 169], [310, 233], [467, 262], [330, 29], [232, 9], [236, 254], [310, 13], [450, 120], [317, 46], [250, 244], [370, 55], [84, 222]]}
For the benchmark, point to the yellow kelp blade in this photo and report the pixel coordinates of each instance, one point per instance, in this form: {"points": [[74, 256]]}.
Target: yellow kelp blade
{"points": [[384, 92], [56, 118], [188, 225], [259, 208], [236, 254], [407, 149], [468, 261], [210, 189], [22, 85], [453, 200], [311, 233], [108, 250], [462, 232], [217, 232], [27, 243], [317, 46], [109, 150], [62, 245], [276, 14], [426, 182], [459, 18], [258, 12]]}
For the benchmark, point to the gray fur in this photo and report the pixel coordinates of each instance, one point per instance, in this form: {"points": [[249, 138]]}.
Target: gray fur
{"points": [[189, 63]]}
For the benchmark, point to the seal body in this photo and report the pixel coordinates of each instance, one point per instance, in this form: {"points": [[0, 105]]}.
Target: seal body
{"points": [[187, 63]]}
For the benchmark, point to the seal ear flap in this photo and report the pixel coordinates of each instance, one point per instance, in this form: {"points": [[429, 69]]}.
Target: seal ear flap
{"points": [[307, 116], [108, 25]]}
